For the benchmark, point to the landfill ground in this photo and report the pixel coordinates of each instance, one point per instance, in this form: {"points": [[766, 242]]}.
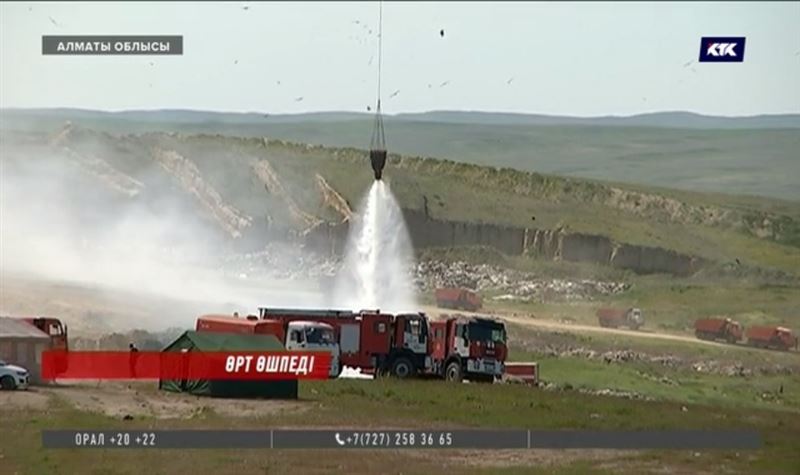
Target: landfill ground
{"points": [[592, 378]]}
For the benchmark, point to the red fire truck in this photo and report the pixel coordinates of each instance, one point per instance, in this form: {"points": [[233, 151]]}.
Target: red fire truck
{"points": [[295, 335], [408, 344], [471, 348], [53, 327], [370, 340]]}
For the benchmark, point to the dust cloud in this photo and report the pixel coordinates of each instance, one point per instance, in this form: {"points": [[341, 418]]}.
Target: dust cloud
{"points": [[59, 223]]}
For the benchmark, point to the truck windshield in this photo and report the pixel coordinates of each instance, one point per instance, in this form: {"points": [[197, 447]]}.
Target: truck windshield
{"points": [[320, 336], [480, 332]]}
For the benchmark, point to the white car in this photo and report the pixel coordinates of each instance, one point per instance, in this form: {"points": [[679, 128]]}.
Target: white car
{"points": [[13, 377]]}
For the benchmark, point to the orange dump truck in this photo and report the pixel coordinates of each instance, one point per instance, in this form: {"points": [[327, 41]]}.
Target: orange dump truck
{"points": [[718, 329], [616, 317], [458, 298], [780, 338]]}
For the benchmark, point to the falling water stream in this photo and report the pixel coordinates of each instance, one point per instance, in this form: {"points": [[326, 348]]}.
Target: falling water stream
{"points": [[379, 257]]}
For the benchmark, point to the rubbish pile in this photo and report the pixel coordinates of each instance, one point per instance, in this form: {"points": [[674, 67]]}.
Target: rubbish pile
{"points": [[280, 261], [511, 284], [549, 386]]}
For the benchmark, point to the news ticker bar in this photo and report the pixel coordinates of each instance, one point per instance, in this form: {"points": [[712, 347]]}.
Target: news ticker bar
{"points": [[112, 44], [399, 439], [173, 365]]}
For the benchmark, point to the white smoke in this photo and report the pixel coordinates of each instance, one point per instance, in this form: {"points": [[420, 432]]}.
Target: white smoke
{"points": [[376, 272], [59, 224]]}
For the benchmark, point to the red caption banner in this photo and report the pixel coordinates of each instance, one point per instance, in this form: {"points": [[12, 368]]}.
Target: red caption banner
{"points": [[186, 365]]}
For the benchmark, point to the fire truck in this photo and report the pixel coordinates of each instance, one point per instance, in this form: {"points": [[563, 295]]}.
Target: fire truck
{"points": [[295, 335], [53, 327], [472, 348], [409, 344], [370, 340]]}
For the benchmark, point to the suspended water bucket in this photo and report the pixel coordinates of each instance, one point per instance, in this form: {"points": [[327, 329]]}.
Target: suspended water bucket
{"points": [[377, 147], [378, 160]]}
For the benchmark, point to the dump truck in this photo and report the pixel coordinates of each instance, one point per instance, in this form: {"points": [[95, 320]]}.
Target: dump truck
{"points": [[295, 335], [467, 348], [615, 318], [457, 298], [718, 329], [780, 338]]}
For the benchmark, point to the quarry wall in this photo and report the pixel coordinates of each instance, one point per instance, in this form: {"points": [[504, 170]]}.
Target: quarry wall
{"points": [[555, 244]]}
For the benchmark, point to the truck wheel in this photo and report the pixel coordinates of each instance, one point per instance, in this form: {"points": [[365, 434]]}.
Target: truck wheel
{"points": [[453, 372], [402, 368], [8, 383]]}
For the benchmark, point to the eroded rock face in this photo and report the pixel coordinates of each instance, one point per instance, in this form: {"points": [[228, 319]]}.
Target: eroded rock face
{"points": [[186, 173]]}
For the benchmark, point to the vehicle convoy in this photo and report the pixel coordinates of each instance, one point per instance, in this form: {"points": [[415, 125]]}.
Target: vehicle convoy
{"points": [[458, 299], [718, 329], [615, 318], [13, 377], [295, 335], [771, 337], [409, 344]]}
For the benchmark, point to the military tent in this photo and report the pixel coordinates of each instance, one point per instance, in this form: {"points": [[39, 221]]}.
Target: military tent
{"points": [[212, 341]]}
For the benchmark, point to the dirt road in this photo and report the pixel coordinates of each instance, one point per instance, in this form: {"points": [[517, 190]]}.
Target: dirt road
{"points": [[575, 327]]}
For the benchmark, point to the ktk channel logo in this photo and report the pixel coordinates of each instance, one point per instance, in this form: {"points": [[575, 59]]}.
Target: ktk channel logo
{"points": [[729, 49]]}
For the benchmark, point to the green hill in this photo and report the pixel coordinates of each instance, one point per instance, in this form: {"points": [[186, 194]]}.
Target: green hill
{"points": [[754, 156]]}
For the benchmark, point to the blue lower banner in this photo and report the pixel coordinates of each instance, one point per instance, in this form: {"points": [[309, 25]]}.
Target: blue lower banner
{"points": [[399, 439]]}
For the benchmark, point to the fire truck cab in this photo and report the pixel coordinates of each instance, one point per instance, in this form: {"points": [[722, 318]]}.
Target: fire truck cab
{"points": [[295, 335], [53, 327], [471, 348]]}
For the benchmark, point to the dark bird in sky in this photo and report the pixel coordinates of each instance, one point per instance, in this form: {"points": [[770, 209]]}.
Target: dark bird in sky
{"points": [[688, 63], [510, 81], [737, 262], [370, 61], [441, 33], [236, 61], [357, 22], [53, 21], [152, 63], [298, 99], [245, 7], [279, 83], [444, 84], [430, 86], [369, 108], [693, 70], [394, 93]]}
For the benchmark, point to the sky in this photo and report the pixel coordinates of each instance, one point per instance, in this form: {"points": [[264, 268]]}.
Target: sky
{"points": [[580, 59]]}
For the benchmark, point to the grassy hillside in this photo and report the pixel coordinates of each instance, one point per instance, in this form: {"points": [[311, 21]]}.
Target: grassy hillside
{"points": [[758, 232], [750, 156]]}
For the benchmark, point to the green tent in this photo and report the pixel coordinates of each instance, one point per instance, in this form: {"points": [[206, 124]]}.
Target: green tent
{"points": [[213, 341]]}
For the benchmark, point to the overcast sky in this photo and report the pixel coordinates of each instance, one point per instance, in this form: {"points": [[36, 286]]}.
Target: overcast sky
{"points": [[573, 59]]}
